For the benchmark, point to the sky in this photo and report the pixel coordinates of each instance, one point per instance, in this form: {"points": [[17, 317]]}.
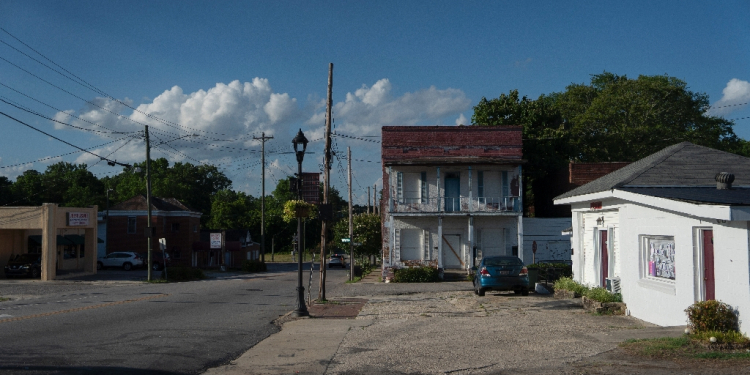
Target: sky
{"points": [[217, 74]]}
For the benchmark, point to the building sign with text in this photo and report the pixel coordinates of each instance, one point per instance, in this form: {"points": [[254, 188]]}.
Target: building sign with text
{"points": [[77, 219]]}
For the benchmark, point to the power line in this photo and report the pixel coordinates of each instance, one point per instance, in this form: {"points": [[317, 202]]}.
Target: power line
{"points": [[353, 137], [54, 157], [110, 162]]}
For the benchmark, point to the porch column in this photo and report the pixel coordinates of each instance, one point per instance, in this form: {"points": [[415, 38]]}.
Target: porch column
{"points": [[49, 241], [471, 201], [390, 188], [391, 251], [438, 192], [520, 238], [440, 242], [471, 242]]}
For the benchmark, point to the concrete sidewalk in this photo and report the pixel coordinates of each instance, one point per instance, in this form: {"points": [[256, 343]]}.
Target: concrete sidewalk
{"points": [[304, 346]]}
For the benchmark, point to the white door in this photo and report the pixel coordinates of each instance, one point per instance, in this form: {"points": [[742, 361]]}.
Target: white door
{"points": [[492, 242], [452, 251]]}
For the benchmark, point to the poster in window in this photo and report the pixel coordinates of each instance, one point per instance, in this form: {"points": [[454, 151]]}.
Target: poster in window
{"points": [[661, 262]]}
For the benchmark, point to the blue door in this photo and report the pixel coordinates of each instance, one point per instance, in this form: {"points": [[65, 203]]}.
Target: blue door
{"points": [[452, 192]]}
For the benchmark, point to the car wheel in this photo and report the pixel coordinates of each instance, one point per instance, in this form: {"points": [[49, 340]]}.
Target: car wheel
{"points": [[35, 273], [99, 266], [127, 266], [481, 292], [525, 292]]}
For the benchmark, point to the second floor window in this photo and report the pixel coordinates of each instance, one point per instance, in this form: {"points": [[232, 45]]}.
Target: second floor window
{"points": [[131, 224]]}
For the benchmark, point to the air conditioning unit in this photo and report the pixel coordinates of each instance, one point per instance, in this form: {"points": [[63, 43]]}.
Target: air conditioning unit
{"points": [[613, 285]]}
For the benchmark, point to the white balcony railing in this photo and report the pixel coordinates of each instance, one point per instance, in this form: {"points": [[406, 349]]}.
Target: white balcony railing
{"points": [[457, 204]]}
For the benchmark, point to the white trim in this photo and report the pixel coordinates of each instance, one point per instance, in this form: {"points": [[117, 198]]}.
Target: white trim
{"points": [[710, 211], [699, 285]]}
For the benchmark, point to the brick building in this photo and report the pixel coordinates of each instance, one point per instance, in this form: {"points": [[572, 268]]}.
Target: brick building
{"points": [[177, 223], [451, 194]]}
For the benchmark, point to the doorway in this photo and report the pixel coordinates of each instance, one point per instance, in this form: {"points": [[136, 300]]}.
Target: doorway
{"points": [[452, 251], [709, 285], [603, 249], [452, 192]]}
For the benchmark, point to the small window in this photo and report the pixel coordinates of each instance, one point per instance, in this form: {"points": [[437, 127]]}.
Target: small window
{"points": [[423, 186], [175, 227], [658, 257], [131, 224]]}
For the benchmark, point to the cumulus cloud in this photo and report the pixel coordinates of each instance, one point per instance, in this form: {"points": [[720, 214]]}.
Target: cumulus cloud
{"points": [[462, 120], [735, 97], [228, 115]]}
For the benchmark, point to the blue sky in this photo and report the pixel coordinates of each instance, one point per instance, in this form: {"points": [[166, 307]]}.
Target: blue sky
{"points": [[227, 70]]}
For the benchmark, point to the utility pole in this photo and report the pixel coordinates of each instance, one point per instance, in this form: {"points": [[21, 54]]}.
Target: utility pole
{"points": [[351, 221], [368, 201], [374, 199], [263, 139], [326, 187], [149, 230]]}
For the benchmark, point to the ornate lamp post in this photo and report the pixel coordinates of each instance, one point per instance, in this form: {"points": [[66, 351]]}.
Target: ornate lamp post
{"points": [[301, 309]]}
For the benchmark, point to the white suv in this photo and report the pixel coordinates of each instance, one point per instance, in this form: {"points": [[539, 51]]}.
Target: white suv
{"points": [[125, 259]]}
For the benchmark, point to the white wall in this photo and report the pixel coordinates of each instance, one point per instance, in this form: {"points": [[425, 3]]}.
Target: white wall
{"points": [[547, 232], [663, 303]]}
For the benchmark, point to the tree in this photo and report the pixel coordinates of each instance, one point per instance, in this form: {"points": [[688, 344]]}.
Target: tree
{"points": [[615, 118], [612, 118], [231, 210], [367, 232], [63, 183], [7, 195], [192, 185]]}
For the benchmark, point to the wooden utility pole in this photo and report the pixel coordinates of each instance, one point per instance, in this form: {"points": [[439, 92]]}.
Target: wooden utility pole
{"points": [[149, 231], [368, 201], [351, 218], [263, 139], [374, 199], [326, 188]]}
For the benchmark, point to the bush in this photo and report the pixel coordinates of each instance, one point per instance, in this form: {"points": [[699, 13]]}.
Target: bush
{"points": [[254, 266], [733, 337], [711, 316], [416, 275], [182, 273], [566, 283], [552, 271], [602, 295]]}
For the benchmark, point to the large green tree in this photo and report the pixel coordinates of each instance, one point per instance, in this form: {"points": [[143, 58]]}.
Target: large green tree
{"points": [[367, 233], [612, 118], [70, 185]]}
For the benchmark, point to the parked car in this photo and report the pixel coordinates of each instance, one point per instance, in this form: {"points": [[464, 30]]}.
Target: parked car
{"points": [[501, 273], [125, 259], [157, 260], [24, 265], [336, 260]]}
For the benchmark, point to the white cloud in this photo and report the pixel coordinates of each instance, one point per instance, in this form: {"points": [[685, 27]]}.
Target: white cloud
{"points": [[736, 93], [227, 116], [462, 120]]}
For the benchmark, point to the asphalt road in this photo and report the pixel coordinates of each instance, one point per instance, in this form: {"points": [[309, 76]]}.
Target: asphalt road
{"points": [[120, 325]]}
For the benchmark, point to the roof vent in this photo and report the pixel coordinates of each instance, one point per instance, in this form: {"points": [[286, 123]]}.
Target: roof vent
{"points": [[724, 180]]}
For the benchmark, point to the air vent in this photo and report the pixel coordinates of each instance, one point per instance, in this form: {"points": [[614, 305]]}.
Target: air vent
{"points": [[613, 285], [724, 180]]}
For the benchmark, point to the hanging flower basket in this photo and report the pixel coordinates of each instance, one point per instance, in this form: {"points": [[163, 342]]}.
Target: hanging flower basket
{"points": [[294, 209]]}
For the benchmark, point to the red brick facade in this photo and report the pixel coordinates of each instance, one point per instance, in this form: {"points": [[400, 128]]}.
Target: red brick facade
{"points": [[173, 221], [583, 173]]}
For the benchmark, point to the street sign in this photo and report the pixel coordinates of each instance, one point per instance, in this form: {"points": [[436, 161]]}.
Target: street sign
{"points": [[216, 240], [346, 240], [357, 244]]}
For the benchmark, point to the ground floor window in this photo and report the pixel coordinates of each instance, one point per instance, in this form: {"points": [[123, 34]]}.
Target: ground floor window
{"points": [[658, 257]]}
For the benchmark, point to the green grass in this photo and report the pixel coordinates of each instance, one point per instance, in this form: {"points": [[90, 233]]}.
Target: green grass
{"points": [[659, 347], [733, 337], [287, 258], [722, 355], [356, 279], [3, 299], [688, 347]]}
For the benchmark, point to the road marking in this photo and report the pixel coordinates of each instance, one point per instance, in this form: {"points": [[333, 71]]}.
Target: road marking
{"points": [[7, 320]]}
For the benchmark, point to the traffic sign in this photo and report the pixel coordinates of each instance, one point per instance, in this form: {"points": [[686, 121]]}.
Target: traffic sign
{"points": [[345, 240]]}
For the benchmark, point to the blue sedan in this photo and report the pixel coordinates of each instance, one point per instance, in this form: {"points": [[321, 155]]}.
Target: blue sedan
{"points": [[501, 273]]}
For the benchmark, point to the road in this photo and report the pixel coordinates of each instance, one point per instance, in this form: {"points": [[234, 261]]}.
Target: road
{"points": [[128, 327]]}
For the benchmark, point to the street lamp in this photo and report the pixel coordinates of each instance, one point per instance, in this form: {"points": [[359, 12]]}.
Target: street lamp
{"points": [[301, 309]]}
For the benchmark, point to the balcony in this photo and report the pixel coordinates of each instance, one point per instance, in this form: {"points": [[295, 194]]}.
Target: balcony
{"points": [[456, 205]]}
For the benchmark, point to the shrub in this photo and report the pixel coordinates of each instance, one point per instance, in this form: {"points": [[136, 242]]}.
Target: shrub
{"points": [[416, 275], [602, 295], [733, 337], [711, 316], [566, 283], [182, 273], [254, 266]]}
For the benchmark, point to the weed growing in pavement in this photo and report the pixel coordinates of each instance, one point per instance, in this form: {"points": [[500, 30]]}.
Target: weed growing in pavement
{"points": [[3, 299], [157, 281], [659, 347], [722, 355]]}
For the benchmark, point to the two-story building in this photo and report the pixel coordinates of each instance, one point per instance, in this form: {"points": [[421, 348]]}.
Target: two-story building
{"points": [[451, 194]]}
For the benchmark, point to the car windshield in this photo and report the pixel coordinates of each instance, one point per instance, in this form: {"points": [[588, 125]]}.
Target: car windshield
{"points": [[502, 262]]}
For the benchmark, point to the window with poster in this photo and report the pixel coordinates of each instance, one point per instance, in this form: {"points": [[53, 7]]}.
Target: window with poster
{"points": [[658, 258]]}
